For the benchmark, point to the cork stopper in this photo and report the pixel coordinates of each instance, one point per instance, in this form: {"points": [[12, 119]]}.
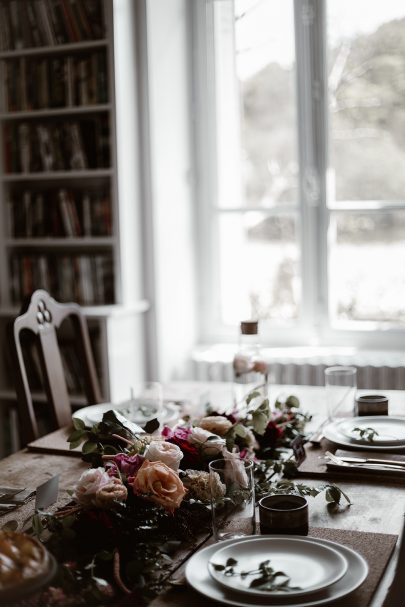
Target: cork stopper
{"points": [[249, 327]]}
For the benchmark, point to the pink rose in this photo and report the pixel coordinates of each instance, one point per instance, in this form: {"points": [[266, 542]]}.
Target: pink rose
{"points": [[127, 464], [160, 484], [89, 483]]}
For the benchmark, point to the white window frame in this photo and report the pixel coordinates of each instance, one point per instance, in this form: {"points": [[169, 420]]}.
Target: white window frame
{"points": [[314, 327]]}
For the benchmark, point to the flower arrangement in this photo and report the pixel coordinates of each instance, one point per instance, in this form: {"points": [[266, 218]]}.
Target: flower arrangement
{"points": [[147, 492]]}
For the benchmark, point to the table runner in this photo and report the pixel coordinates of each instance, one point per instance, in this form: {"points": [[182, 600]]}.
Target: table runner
{"points": [[376, 548]]}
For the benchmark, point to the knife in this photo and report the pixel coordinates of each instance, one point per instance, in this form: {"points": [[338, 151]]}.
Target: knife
{"points": [[370, 460]]}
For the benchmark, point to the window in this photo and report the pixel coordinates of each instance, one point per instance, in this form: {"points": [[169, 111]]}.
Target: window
{"points": [[301, 155]]}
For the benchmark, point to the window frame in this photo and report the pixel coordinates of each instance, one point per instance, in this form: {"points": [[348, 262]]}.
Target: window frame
{"points": [[313, 208]]}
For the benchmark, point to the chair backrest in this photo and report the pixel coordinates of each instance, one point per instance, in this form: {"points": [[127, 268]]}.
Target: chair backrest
{"points": [[42, 316]]}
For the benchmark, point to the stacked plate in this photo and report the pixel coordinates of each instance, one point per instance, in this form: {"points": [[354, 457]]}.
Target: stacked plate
{"points": [[314, 571], [353, 432], [137, 415]]}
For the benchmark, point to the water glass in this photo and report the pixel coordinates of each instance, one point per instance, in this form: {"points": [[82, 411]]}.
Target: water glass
{"points": [[232, 498], [145, 403], [341, 386]]}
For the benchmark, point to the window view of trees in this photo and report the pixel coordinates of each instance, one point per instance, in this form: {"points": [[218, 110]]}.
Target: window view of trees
{"points": [[366, 85]]}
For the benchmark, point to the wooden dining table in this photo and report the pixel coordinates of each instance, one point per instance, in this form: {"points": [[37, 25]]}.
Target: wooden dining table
{"points": [[377, 508]]}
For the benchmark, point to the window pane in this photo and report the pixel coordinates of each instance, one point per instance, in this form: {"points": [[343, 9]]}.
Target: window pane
{"points": [[367, 261], [265, 65], [366, 44], [259, 267]]}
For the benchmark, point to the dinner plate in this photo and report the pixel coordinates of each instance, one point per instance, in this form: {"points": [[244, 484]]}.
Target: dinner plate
{"points": [[391, 430], [332, 432], [308, 565], [94, 413], [198, 577]]}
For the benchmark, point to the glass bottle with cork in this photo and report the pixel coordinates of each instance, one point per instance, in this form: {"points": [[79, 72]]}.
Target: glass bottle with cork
{"points": [[250, 370]]}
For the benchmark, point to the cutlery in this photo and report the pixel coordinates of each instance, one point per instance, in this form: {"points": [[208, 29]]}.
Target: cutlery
{"points": [[370, 466], [371, 460]]}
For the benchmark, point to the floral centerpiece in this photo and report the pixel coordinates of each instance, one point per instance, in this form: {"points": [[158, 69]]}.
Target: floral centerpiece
{"points": [[147, 493]]}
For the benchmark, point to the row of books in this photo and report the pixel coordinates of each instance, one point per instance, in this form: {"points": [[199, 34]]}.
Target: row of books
{"points": [[33, 23], [54, 82], [56, 146], [59, 213], [86, 279]]}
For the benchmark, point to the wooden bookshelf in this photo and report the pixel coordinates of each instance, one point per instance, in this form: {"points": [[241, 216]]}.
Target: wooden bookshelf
{"points": [[57, 150], [60, 219]]}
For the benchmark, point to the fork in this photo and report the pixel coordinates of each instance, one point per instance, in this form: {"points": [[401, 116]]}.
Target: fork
{"points": [[340, 462]]}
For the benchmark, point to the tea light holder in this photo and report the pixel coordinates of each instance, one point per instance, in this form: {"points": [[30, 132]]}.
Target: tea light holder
{"points": [[283, 514], [371, 404]]}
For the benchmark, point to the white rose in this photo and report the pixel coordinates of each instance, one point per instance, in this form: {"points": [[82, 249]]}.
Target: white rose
{"points": [[218, 424], [89, 483], [162, 451], [209, 444]]}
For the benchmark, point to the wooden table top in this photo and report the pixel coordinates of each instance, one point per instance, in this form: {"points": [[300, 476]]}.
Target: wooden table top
{"points": [[375, 508]]}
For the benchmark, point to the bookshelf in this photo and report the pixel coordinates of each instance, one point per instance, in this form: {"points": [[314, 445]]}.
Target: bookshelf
{"points": [[61, 224]]}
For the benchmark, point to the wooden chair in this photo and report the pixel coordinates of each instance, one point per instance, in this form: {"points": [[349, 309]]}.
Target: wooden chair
{"points": [[42, 316]]}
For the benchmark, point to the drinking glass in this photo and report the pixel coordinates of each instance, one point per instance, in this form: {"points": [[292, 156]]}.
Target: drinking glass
{"points": [[232, 498], [341, 385], [145, 403]]}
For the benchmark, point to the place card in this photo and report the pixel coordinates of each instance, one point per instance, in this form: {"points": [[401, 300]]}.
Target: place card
{"points": [[47, 493]]}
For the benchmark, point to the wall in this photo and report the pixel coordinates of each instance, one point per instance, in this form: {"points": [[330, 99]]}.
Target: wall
{"points": [[170, 213]]}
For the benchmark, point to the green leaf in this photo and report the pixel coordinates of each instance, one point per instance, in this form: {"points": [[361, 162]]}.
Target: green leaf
{"points": [[76, 435], [78, 424], [240, 430], [292, 401], [151, 426], [75, 444], [251, 396], [89, 447]]}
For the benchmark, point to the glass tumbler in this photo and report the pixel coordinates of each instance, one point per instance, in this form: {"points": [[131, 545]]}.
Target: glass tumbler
{"points": [[232, 498], [341, 386]]}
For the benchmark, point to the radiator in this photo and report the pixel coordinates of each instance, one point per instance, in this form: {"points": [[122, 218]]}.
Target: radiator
{"points": [[375, 370]]}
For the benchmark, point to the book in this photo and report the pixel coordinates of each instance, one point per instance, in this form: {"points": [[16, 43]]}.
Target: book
{"points": [[24, 143], [78, 159], [46, 150], [65, 213]]}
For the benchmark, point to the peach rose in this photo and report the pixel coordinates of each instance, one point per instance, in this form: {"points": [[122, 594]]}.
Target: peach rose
{"points": [[160, 484], [108, 495], [218, 424]]}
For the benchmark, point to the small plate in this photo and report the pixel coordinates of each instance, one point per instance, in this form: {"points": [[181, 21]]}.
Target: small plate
{"points": [[391, 430], [309, 566], [198, 577], [94, 414], [332, 433]]}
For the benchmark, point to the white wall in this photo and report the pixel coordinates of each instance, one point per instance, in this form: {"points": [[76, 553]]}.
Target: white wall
{"points": [[171, 188]]}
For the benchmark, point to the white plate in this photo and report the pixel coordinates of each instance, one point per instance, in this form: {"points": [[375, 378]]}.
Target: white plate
{"points": [[94, 414], [332, 433], [309, 566], [198, 577], [391, 430]]}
